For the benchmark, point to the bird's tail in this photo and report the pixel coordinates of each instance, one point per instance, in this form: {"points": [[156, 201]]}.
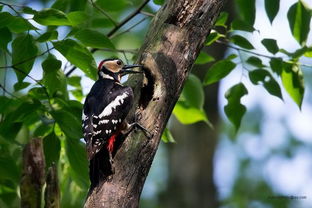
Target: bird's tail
{"points": [[99, 168]]}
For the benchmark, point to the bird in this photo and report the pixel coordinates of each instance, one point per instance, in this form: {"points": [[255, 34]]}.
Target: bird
{"points": [[104, 116]]}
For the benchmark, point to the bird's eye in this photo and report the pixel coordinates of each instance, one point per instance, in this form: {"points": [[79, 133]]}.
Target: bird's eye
{"points": [[119, 62]]}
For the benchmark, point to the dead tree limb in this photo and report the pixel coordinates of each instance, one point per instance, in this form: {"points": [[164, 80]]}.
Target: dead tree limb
{"points": [[175, 37]]}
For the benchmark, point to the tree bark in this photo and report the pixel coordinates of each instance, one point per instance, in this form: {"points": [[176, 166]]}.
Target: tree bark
{"points": [[33, 174], [175, 37]]}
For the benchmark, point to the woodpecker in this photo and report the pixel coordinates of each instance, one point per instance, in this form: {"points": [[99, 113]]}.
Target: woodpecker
{"points": [[104, 112]]}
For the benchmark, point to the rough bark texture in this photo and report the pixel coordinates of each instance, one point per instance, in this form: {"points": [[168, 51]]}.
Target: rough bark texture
{"points": [[176, 35], [33, 174], [52, 190]]}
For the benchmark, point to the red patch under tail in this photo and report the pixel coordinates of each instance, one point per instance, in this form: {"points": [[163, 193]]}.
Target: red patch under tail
{"points": [[110, 145]]}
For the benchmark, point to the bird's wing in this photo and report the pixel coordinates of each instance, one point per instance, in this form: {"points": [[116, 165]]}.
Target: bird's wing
{"points": [[109, 112]]}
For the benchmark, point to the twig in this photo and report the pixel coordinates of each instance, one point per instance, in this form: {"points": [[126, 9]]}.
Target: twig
{"points": [[103, 12], [130, 28], [257, 54], [28, 59], [127, 19], [147, 14], [6, 91], [115, 29]]}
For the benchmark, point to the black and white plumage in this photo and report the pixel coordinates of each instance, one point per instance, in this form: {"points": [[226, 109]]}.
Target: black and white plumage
{"points": [[106, 107], [103, 117]]}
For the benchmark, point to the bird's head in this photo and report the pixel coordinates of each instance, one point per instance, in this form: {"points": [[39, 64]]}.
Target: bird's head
{"points": [[114, 69]]}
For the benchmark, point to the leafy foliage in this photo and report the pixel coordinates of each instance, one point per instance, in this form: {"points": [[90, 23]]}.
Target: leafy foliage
{"points": [[44, 99]]}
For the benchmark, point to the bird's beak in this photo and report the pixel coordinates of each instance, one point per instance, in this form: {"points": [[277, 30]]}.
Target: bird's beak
{"points": [[125, 70]]}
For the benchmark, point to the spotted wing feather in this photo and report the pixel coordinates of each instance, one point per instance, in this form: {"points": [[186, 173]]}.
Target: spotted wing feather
{"points": [[104, 110]]}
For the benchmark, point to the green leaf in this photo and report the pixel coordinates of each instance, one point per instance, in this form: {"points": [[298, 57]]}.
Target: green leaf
{"points": [[21, 85], [193, 92], [77, 17], [15, 24], [53, 77], [77, 55], [93, 39], [308, 53], [241, 25], [77, 157], [212, 37], [8, 168], [159, 2], [218, 71], [51, 17], [188, 115], [29, 10], [167, 136], [203, 58], [24, 50], [5, 37], [255, 61], [247, 10], [101, 23], [221, 21], [292, 80], [69, 123], [261, 76], [51, 35], [43, 130], [276, 65], [299, 17], [271, 8], [241, 41], [234, 110], [113, 5], [74, 81], [270, 45], [52, 148]]}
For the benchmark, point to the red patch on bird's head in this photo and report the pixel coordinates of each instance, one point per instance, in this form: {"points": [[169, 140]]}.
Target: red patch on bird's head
{"points": [[101, 64]]}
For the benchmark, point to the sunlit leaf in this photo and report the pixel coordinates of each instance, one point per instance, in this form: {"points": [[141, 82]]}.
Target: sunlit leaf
{"points": [[234, 110], [218, 71], [29, 10], [271, 8], [292, 80], [93, 38], [24, 50], [270, 45], [77, 55], [241, 41], [247, 10], [113, 5], [203, 58], [51, 16], [167, 136], [193, 92], [212, 37], [261, 76], [77, 17], [221, 21], [188, 115], [299, 17]]}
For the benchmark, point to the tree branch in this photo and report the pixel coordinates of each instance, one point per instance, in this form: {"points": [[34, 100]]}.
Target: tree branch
{"points": [[115, 29], [175, 37]]}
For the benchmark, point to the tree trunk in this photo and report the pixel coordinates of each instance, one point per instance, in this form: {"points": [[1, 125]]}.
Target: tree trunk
{"points": [[193, 185], [176, 35]]}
